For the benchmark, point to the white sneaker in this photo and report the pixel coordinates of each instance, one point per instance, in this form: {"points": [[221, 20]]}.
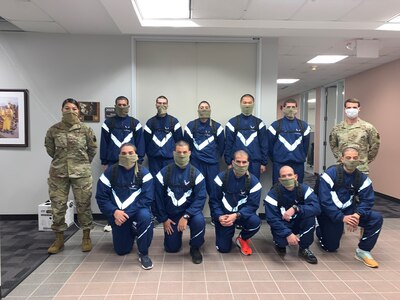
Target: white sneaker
{"points": [[107, 228]]}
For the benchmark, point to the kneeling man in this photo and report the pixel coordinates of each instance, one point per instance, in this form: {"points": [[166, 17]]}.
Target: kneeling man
{"points": [[290, 209], [346, 196]]}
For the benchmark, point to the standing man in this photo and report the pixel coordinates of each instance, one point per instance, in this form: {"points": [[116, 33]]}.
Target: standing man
{"points": [[355, 130], [118, 130], [247, 132], [124, 195], [290, 210], [181, 195], [207, 143], [160, 134], [288, 141], [347, 197], [234, 200]]}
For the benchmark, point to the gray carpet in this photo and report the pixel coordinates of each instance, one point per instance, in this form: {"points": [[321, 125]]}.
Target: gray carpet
{"points": [[23, 249]]}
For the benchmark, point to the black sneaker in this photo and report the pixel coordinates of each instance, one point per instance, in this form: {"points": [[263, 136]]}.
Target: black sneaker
{"points": [[308, 256], [197, 258], [280, 250], [146, 262]]}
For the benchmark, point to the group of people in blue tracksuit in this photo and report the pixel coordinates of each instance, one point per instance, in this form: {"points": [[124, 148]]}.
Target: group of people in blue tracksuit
{"points": [[184, 168]]}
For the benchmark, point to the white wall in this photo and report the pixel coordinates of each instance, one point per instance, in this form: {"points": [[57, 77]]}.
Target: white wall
{"points": [[53, 68]]}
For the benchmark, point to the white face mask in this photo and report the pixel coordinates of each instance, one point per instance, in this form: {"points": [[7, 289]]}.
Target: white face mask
{"points": [[351, 113]]}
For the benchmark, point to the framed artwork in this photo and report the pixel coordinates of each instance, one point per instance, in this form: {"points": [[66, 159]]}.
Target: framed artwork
{"points": [[14, 119], [90, 111]]}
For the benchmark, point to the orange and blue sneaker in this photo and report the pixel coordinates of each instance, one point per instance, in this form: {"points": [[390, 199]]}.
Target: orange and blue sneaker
{"points": [[366, 258], [244, 246]]}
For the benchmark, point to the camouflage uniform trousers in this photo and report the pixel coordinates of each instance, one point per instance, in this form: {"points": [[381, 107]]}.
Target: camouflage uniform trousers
{"points": [[58, 192]]}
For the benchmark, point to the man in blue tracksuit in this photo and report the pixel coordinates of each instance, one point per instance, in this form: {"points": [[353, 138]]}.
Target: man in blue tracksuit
{"points": [[181, 195], [124, 195], [347, 197], [290, 210], [234, 200], [247, 132], [288, 141], [207, 143], [160, 135], [119, 130]]}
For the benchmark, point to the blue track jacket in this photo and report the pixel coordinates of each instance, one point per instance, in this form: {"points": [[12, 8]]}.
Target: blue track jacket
{"points": [[234, 199], [160, 136], [206, 146], [176, 199], [274, 212], [126, 195], [112, 137], [291, 145], [337, 204], [248, 138]]}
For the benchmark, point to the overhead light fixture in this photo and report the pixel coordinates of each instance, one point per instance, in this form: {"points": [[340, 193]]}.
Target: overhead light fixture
{"points": [[393, 24], [286, 80], [163, 9], [312, 100], [326, 59], [314, 68]]}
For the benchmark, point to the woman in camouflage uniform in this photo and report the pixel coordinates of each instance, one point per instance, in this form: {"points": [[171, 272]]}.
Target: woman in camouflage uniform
{"points": [[72, 147]]}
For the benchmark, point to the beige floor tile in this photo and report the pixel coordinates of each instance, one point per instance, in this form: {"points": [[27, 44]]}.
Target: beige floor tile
{"points": [[218, 287]]}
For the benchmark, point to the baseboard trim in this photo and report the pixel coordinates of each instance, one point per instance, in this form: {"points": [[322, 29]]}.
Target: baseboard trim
{"points": [[386, 197]]}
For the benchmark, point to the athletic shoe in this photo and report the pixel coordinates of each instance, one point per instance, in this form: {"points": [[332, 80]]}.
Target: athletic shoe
{"points": [[308, 256], [197, 258], [145, 262], [107, 228], [280, 250], [244, 246], [366, 258]]}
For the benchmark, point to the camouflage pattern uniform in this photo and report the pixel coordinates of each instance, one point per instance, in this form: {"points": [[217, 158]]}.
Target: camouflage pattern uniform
{"points": [[72, 149], [362, 133]]}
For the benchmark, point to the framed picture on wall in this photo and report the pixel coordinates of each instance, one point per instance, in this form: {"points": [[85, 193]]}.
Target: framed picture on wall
{"points": [[14, 118], [90, 111]]}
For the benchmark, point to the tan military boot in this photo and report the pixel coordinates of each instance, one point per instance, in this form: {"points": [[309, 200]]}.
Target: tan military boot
{"points": [[58, 244], [86, 242]]}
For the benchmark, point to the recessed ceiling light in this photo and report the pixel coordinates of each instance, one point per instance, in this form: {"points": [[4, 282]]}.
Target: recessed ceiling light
{"points": [[326, 59], [163, 9], [286, 80], [395, 19], [312, 100]]}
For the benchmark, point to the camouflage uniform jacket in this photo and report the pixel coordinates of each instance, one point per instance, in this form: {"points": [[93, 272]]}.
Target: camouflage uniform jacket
{"points": [[361, 133], [72, 150]]}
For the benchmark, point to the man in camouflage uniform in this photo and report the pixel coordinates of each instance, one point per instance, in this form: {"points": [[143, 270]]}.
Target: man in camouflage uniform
{"points": [[353, 130], [72, 147]]}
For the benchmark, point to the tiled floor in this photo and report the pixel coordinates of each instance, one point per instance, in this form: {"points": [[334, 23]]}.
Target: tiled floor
{"points": [[101, 274]]}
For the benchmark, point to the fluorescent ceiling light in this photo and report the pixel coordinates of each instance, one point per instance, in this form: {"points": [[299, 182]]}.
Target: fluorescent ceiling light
{"points": [[326, 59], [389, 26], [286, 80], [163, 9], [312, 100], [395, 19]]}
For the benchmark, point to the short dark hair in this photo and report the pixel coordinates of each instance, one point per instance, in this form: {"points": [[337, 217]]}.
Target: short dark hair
{"points": [[71, 100], [181, 143], [247, 95], [352, 100], [240, 152], [127, 144], [205, 103], [121, 98], [161, 97], [291, 100]]}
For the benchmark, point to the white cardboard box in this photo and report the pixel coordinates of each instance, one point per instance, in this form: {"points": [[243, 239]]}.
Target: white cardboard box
{"points": [[46, 218]]}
